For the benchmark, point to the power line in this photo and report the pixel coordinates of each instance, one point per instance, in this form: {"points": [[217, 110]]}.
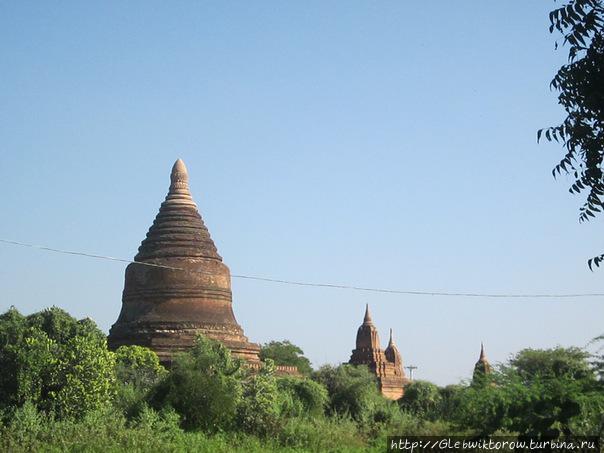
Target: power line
{"points": [[319, 285]]}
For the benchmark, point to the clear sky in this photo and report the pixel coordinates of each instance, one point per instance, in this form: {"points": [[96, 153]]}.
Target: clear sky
{"points": [[385, 144]]}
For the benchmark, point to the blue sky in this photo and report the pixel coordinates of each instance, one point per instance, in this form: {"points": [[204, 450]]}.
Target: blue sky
{"points": [[383, 144]]}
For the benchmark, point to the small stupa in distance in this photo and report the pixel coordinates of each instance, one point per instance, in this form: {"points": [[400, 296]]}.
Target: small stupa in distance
{"points": [[164, 308]]}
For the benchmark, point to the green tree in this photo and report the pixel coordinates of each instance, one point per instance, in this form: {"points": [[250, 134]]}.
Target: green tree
{"points": [[580, 84], [12, 328], [423, 399], [552, 363], [450, 395], [83, 378], [203, 387], [137, 371], [138, 366], [598, 360], [555, 391], [303, 396], [54, 361], [286, 353], [60, 326], [36, 357], [260, 409], [540, 393], [352, 391]]}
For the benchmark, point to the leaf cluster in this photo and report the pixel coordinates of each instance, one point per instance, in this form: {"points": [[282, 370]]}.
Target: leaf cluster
{"points": [[580, 86]]}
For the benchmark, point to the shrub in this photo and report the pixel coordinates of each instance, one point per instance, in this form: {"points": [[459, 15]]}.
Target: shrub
{"points": [[203, 386], [303, 396], [83, 379], [260, 408], [422, 399], [352, 390], [137, 370]]}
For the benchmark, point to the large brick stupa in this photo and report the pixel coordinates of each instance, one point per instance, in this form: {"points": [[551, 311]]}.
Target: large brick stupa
{"points": [[187, 291]]}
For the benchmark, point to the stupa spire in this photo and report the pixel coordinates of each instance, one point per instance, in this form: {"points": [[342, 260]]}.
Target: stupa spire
{"points": [[178, 230], [367, 319], [179, 192], [392, 353], [482, 367]]}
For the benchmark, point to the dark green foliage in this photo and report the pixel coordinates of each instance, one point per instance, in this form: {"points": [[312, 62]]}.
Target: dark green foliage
{"points": [[540, 393], [580, 84], [552, 363], [60, 326], [303, 397], [83, 379], [260, 409], [598, 359], [204, 387], [59, 381], [352, 391], [449, 400], [55, 362], [137, 370], [138, 366], [286, 353], [423, 399], [108, 431], [12, 327]]}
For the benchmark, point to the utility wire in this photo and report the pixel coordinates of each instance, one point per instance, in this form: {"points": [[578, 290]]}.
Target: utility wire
{"points": [[319, 285]]}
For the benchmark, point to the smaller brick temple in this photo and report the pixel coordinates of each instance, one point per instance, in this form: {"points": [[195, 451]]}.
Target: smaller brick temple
{"points": [[387, 365]]}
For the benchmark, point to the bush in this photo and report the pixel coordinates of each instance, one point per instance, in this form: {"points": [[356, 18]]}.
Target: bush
{"points": [[260, 409], [422, 399], [204, 387], [352, 390], [137, 370], [302, 397]]}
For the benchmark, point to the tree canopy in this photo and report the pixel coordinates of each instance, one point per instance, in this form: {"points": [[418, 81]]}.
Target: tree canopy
{"points": [[286, 353], [580, 86], [55, 362]]}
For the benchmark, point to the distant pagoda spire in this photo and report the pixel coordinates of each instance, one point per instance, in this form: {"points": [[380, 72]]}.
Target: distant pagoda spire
{"points": [[367, 335], [482, 367], [392, 353], [367, 319]]}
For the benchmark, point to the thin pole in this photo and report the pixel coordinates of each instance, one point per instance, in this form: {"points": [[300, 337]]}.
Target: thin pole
{"points": [[411, 368]]}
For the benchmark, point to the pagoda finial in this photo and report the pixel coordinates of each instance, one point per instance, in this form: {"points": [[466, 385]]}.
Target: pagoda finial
{"points": [[367, 319], [179, 172], [391, 341], [179, 186], [482, 354]]}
